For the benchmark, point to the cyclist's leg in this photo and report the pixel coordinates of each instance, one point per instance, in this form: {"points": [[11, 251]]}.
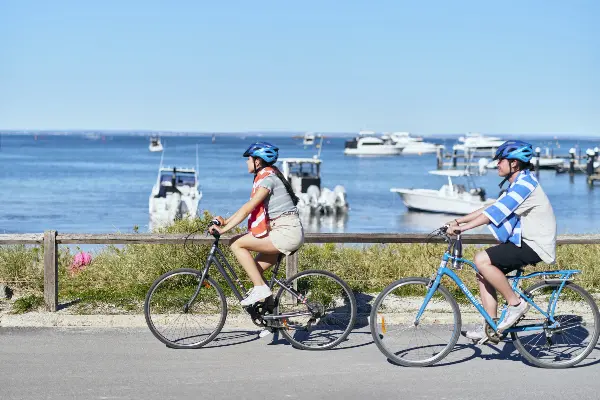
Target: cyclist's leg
{"points": [[494, 275], [242, 247], [265, 261], [488, 295], [495, 262]]}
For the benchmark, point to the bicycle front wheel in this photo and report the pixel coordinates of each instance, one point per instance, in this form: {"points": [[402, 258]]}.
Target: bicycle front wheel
{"points": [[401, 339], [570, 343], [183, 314], [324, 319]]}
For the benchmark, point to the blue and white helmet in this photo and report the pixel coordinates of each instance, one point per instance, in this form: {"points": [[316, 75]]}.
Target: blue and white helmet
{"points": [[515, 150], [263, 150]]}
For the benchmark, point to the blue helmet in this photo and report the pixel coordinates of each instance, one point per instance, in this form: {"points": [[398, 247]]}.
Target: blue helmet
{"points": [[515, 150], [263, 150]]}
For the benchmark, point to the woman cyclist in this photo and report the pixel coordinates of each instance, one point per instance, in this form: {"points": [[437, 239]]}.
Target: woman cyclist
{"points": [[523, 221], [274, 225]]}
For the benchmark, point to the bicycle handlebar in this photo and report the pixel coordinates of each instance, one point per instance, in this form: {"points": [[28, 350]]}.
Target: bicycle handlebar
{"points": [[216, 222]]}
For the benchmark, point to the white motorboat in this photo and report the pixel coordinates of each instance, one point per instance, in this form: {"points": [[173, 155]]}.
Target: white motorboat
{"points": [[449, 199], [477, 142], [545, 163], [412, 145], [155, 144], [309, 139], [305, 178], [368, 144], [175, 195]]}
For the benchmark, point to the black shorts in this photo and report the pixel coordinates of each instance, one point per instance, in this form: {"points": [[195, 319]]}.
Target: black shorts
{"points": [[507, 256]]}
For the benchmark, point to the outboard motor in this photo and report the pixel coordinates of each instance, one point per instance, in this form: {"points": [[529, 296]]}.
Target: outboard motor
{"points": [[341, 204], [327, 201], [482, 165], [480, 192], [313, 194]]}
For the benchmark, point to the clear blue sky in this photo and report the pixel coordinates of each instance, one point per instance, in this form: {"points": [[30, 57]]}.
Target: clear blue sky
{"points": [[422, 66]]}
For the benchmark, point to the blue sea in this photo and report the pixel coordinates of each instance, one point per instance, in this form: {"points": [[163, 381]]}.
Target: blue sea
{"points": [[100, 183]]}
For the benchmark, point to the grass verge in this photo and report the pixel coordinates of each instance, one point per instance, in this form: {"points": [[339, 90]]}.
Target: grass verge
{"points": [[118, 278]]}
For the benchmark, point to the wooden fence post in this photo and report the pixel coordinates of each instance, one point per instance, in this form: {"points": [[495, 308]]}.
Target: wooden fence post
{"points": [[50, 271], [291, 265]]}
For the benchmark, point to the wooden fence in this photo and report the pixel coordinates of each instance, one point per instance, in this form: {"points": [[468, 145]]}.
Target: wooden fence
{"points": [[52, 239]]}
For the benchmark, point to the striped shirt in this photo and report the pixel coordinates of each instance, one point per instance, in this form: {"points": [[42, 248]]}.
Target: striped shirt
{"points": [[278, 201], [524, 213]]}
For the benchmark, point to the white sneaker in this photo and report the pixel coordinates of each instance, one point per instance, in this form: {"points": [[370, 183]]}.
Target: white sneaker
{"points": [[513, 313], [257, 293], [476, 334], [264, 333]]}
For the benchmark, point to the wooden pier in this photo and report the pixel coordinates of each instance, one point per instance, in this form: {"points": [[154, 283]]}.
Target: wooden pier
{"points": [[577, 162]]}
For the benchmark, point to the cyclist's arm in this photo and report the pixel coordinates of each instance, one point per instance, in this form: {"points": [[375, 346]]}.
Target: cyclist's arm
{"points": [[245, 210], [470, 217], [479, 220]]}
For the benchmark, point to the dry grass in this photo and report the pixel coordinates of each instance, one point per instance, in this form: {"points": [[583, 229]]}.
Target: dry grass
{"points": [[120, 277]]}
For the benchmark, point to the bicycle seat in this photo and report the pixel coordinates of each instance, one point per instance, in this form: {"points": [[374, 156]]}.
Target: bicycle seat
{"points": [[518, 269]]}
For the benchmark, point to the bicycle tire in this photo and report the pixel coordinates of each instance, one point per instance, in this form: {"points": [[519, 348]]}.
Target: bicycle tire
{"points": [[349, 300], [521, 347], [378, 337], [151, 321]]}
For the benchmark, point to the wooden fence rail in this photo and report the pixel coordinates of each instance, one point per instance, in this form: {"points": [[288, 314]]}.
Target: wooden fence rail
{"points": [[52, 239]]}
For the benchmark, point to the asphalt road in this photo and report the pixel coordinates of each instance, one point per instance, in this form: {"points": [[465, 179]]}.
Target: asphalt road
{"points": [[77, 363]]}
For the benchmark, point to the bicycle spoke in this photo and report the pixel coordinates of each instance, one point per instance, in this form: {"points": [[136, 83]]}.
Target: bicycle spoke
{"points": [[394, 331], [576, 334], [165, 304], [334, 320]]}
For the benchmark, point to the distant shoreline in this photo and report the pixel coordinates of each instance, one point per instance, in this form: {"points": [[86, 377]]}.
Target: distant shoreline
{"points": [[84, 132]]}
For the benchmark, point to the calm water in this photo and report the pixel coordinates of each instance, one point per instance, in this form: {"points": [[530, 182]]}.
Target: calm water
{"points": [[80, 184]]}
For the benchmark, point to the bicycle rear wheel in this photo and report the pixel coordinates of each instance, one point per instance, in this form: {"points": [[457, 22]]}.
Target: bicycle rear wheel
{"points": [[178, 319], [393, 323], [335, 307], [563, 347]]}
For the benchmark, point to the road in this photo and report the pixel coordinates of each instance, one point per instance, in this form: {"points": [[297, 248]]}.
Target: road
{"points": [[102, 363]]}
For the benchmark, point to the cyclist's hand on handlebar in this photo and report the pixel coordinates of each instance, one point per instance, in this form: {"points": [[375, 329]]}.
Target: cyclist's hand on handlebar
{"points": [[214, 229], [453, 230], [216, 226]]}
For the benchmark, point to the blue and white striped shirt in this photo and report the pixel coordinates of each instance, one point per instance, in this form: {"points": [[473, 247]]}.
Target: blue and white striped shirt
{"points": [[505, 224]]}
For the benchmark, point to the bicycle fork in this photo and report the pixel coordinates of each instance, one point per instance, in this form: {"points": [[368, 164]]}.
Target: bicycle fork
{"points": [[432, 286]]}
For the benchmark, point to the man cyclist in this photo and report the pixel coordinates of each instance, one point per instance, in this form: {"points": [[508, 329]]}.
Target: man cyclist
{"points": [[523, 221]]}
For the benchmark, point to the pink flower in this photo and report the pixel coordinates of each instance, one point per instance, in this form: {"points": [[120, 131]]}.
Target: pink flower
{"points": [[80, 261]]}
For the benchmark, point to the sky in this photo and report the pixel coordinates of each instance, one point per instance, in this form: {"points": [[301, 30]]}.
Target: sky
{"points": [[237, 66]]}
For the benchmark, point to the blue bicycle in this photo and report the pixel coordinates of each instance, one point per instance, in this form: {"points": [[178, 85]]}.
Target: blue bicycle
{"points": [[559, 331]]}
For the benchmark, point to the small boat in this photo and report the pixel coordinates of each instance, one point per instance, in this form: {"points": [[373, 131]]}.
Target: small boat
{"points": [[545, 163], [368, 144], [473, 141], [449, 199], [305, 178], [155, 144], [412, 145], [175, 195], [309, 139]]}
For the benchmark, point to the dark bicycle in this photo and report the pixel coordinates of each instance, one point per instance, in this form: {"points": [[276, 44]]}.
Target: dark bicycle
{"points": [[186, 308]]}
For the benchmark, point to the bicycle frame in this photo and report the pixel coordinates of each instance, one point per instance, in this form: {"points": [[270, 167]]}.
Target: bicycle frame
{"points": [[217, 258], [444, 270]]}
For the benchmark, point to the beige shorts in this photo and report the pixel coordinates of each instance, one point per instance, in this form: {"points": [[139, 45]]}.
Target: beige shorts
{"points": [[287, 234]]}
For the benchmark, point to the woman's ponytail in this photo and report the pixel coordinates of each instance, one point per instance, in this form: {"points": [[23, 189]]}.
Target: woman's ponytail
{"points": [[287, 185]]}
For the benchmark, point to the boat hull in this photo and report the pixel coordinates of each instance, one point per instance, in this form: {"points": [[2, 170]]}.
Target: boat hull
{"points": [[433, 201], [419, 149], [374, 151]]}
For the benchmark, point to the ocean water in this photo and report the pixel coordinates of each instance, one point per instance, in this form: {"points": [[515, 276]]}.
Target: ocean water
{"points": [[101, 183]]}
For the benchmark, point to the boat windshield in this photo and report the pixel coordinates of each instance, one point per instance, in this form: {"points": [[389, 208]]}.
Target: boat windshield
{"points": [[181, 178], [304, 169]]}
